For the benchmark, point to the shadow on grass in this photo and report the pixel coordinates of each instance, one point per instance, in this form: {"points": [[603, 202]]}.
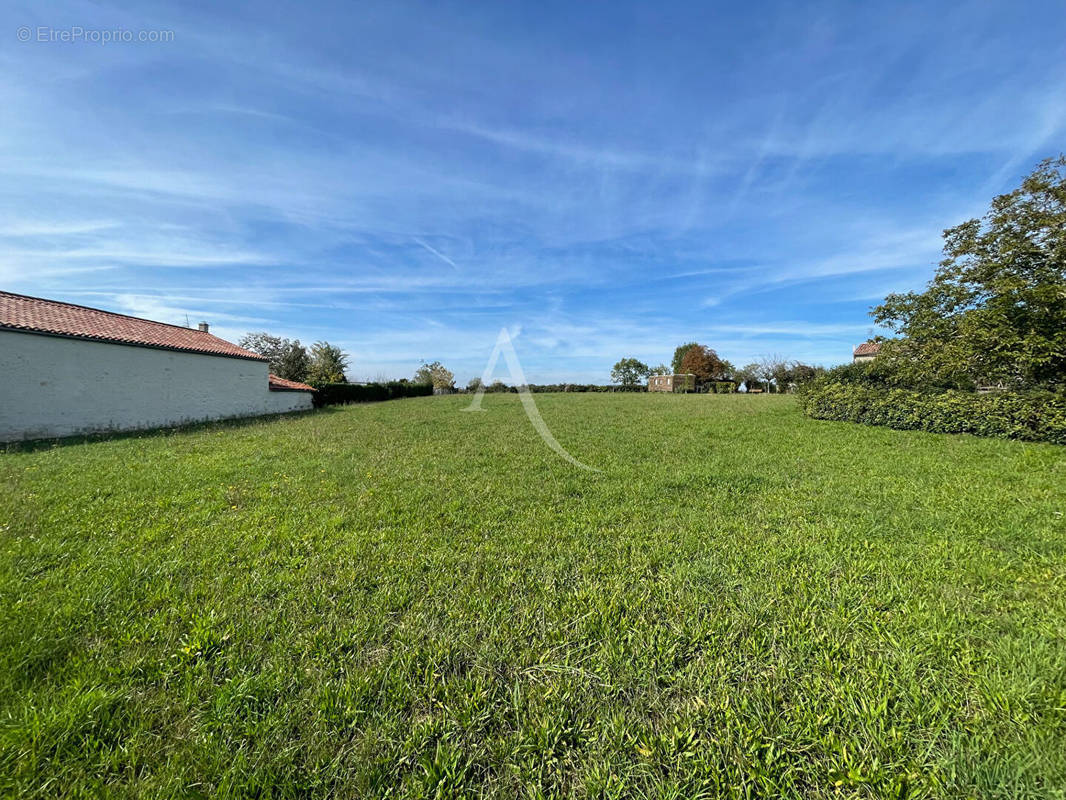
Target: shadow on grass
{"points": [[35, 445]]}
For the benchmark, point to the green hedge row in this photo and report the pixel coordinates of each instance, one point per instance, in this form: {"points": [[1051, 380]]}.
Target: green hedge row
{"points": [[566, 387], [1033, 417], [343, 393]]}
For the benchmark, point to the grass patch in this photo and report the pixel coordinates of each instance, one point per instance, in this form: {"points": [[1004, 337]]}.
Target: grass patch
{"points": [[403, 600]]}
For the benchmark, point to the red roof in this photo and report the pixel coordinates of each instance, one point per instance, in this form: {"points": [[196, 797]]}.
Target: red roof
{"points": [[868, 349], [284, 385], [22, 313]]}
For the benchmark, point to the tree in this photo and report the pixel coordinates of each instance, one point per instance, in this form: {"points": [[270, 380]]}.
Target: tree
{"points": [[995, 310], [804, 373], [749, 376], [288, 358], [436, 375], [702, 362], [772, 371], [629, 372], [293, 363], [679, 355], [662, 369], [328, 363], [474, 385]]}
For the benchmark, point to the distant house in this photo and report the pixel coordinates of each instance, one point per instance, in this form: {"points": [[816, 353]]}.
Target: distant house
{"points": [[672, 383], [69, 369], [867, 351]]}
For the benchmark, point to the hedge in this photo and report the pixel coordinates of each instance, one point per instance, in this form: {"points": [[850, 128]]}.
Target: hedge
{"points": [[344, 393], [1006, 415], [565, 387]]}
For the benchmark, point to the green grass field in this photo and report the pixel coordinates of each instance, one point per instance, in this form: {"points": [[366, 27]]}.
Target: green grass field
{"points": [[404, 600]]}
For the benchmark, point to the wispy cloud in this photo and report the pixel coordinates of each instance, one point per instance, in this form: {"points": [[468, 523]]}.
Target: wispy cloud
{"points": [[755, 178], [437, 253]]}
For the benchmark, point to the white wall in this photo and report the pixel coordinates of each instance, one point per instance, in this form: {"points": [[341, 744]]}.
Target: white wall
{"points": [[53, 386]]}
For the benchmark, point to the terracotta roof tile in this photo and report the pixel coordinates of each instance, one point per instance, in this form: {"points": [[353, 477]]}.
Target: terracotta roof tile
{"points": [[19, 312], [285, 385], [868, 349]]}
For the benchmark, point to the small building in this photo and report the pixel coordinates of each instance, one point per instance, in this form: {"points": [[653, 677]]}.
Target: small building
{"points": [[685, 382], [867, 351], [69, 370]]}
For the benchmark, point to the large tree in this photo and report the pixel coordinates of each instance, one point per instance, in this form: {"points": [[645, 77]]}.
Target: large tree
{"points": [[629, 372], [328, 363], [288, 358], [293, 362], [679, 355], [702, 362], [995, 311], [435, 373]]}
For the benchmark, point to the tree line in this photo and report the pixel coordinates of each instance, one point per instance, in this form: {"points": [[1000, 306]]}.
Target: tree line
{"points": [[769, 374], [324, 363]]}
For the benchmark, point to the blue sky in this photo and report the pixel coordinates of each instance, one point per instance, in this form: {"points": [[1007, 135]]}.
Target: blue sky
{"points": [[604, 180]]}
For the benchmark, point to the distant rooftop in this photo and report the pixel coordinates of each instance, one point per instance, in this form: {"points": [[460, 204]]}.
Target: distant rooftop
{"points": [[868, 349]]}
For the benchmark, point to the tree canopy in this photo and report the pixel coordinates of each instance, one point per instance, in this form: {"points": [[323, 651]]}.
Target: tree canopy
{"points": [[288, 358], [995, 311], [436, 374], [679, 355], [702, 362], [328, 363], [629, 372]]}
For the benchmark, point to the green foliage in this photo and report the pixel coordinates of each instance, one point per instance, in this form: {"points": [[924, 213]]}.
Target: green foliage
{"points": [[344, 393], [328, 363], [679, 356], [288, 358], [293, 363], [661, 369], [404, 600], [1033, 417], [629, 372], [750, 375], [995, 312], [702, 362], [435, 375]]}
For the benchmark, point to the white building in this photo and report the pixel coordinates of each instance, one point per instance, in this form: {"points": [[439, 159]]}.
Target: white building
{"points": [[69, 369]]}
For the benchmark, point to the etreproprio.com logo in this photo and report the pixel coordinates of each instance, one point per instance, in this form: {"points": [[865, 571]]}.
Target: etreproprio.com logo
{"points": [[76, 34]]}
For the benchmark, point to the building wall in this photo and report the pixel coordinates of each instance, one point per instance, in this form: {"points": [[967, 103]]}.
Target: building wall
{"points": [[860, 359], [671, 383], [52, 386]]}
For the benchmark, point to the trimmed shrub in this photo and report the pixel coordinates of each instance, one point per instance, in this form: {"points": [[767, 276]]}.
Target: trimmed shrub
{"points": [[344, 393], [1038, 417]]}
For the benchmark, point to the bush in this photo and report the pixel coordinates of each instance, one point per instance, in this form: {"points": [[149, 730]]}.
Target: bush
{"points": [[1006, 415], [343, 393]]}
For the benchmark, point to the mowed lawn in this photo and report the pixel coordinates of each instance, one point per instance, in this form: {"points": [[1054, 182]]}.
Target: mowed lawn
{"points": [[405, 600]]}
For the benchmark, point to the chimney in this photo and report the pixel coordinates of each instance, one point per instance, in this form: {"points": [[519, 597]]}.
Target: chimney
{"points": [[203, 326]]}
